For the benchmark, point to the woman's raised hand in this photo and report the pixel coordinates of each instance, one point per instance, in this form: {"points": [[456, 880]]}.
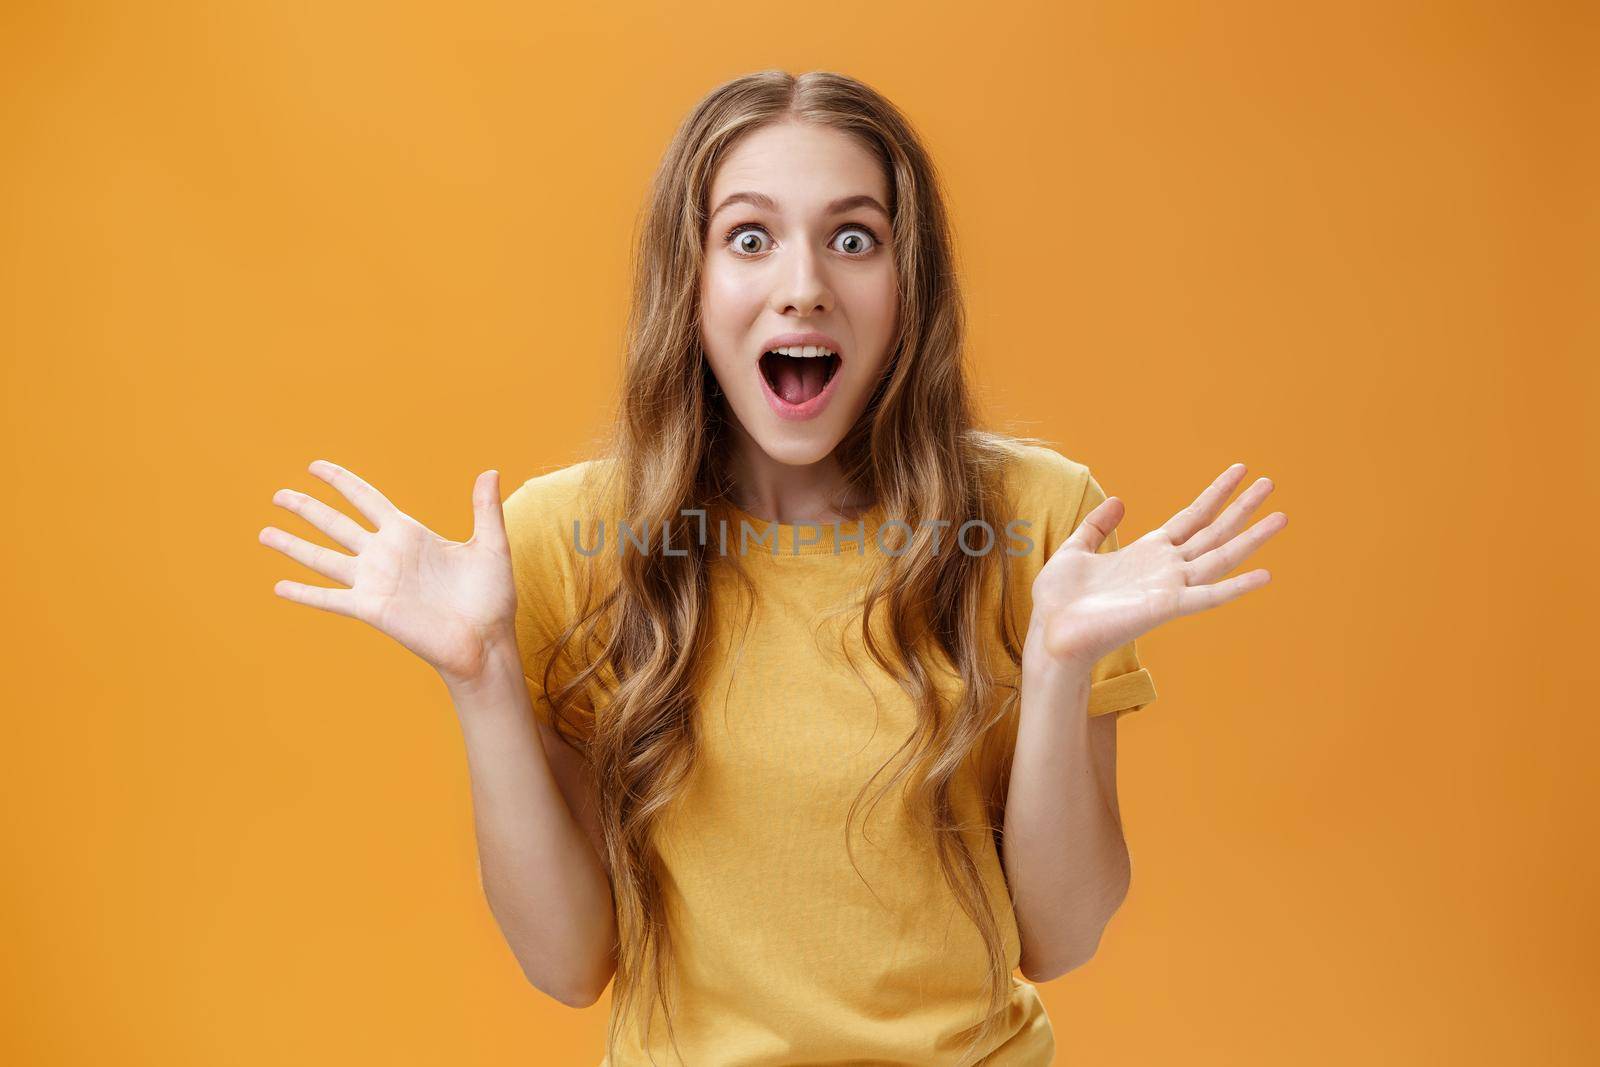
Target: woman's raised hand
{"points": [[1087, 603], [447, 601]]}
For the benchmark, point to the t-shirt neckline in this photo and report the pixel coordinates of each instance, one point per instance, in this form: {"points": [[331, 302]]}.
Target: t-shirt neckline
{"points": [[851, 536]]}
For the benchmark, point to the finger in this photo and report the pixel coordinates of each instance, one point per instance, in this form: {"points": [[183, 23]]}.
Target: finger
{"points": [[1219, 561], [331, 521], [1231, 522], [338, 601], [371, 503], [1183, 525], [489, 518], [1097, 525], [1198, 598], [325, 561]]}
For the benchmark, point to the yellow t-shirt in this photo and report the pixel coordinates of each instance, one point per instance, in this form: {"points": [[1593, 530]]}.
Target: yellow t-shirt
{"points": [[782, 954]]}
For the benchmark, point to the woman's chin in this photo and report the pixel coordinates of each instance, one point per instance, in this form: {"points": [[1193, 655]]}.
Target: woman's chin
{"points": [[796, 448], [792, 444]]}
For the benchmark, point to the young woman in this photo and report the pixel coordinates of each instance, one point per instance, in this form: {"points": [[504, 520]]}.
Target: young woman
{"points": [[676, 695]]}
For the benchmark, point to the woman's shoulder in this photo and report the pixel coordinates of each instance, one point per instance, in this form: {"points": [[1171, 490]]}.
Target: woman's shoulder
{"points": [[586, 480], [1040, 475], [1045, 492], [585, 475], [540, 510]]}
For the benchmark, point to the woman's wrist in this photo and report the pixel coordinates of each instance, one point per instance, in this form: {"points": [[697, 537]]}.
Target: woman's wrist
{"points": [[1046, 674], [1039, 661], [1053, 686], [500, 663]]}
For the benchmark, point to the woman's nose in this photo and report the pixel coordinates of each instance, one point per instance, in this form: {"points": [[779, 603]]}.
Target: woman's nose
{"points": [[801, 283]]}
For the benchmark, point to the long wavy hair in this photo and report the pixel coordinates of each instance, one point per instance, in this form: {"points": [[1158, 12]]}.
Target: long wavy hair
{"points": [[642, 625]]}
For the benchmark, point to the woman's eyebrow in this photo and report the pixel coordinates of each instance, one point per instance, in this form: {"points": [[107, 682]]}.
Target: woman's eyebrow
{"points": [[834, 207]]}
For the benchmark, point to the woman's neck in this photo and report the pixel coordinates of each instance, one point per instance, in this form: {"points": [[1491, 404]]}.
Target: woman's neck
{"points": [[785, 493]]}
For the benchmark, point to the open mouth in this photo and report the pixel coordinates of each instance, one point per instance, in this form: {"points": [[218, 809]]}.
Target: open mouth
{"points": [[797, 379]]}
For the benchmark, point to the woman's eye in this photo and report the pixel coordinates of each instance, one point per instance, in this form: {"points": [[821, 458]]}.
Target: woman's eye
{"points": [[747, 240], [861, 239]]}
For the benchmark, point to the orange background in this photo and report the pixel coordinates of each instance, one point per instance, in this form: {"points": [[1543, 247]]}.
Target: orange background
{"points": [[1353, 246]]}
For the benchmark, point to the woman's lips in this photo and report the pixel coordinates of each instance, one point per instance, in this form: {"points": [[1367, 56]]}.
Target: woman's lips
{"points": [[798, 412]]}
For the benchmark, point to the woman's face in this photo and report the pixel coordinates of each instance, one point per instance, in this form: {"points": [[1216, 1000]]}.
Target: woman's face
{"points": [[798, 243]]}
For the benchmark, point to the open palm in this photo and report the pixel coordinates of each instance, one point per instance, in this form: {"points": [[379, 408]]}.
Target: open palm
{"points": [[444, 600], [1087, 603]]}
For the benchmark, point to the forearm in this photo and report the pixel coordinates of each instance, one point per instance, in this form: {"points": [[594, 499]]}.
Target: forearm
{"points": [[1064, 852], [545, 885]]}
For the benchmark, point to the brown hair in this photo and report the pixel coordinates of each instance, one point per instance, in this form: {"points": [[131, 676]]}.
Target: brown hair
{"points": [[915, 450]]}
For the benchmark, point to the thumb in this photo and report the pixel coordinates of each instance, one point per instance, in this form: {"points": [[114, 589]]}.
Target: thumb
{"points": [[1098, 524], [488, 514]]}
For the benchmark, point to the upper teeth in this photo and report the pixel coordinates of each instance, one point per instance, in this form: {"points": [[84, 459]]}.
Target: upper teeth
{"points": [[804, 351]]}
